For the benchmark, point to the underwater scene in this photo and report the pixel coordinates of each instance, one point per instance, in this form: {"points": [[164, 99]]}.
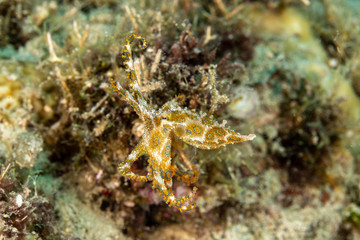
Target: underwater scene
{"points": [[180, 119]]}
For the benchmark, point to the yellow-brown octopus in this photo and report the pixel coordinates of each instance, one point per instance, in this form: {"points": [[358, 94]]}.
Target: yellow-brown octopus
{"points": [[163, 128]]}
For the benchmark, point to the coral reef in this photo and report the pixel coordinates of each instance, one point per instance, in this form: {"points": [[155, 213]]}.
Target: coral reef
{"points": [[161, 129], [289, 69]]}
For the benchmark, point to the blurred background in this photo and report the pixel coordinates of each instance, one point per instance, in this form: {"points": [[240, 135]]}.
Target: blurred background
{"points": [[291, 71]]}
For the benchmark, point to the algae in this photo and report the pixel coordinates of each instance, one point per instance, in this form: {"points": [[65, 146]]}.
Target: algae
{"points": [[290, 69]]}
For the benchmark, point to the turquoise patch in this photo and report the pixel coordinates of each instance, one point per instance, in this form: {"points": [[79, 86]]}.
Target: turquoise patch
{"points": [[156, 141], [167, 150], [168, 175], [197, 129], [126, 56], [180, 120], [142, 153], [157, 187], [131, 38], [132, 73], [207, 122], [220, 131]]}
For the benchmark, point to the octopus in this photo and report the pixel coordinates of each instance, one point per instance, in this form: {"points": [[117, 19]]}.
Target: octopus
{"points": [[164, 129]]}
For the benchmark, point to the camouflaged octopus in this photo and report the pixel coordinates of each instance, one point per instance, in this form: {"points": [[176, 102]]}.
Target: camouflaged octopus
{"points": [[163, 130]]}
